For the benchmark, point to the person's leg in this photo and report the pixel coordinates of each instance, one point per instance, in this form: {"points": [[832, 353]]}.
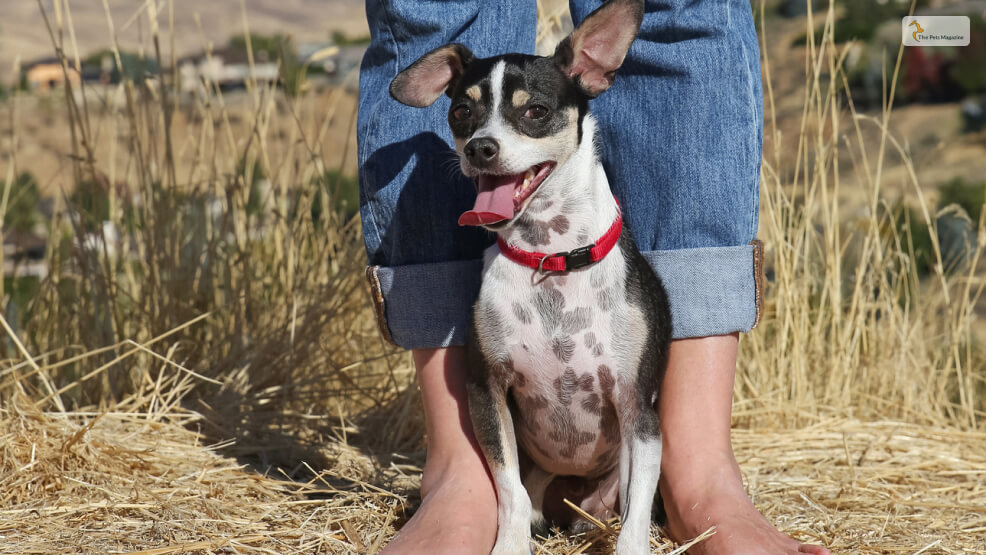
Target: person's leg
{"points": [[701, 482], [458, 507], [424, 268], [681, 134]]}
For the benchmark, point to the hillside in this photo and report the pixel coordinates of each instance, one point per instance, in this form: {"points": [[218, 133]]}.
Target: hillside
{"points": [[22, 31]]}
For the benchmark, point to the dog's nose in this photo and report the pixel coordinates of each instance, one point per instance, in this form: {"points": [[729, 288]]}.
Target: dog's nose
{"points": [[482, 152]]}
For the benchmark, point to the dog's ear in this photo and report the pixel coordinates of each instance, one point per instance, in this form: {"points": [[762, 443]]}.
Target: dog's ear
{"points": [[436, 72], [593, 52]]}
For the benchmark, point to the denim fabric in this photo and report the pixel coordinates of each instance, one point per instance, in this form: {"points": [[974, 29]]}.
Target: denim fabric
{"points": [[411, 189], [680, 135]]}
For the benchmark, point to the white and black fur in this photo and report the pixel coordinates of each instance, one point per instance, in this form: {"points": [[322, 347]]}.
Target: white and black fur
{"points": [[565, 368]]}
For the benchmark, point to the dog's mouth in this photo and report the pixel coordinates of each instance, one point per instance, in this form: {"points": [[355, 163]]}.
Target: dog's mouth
{"points": [[501, 197]]}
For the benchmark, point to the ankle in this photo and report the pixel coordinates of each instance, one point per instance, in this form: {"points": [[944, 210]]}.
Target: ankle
{"points": [[697, 478], [451, 465]]}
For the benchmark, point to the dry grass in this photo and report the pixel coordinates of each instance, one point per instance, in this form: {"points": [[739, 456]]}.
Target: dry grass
{"points": [[128, 483], [217, 384], [122, 482]]}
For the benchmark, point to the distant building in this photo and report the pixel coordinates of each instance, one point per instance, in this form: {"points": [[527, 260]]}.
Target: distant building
{"points": [[336, 62], [227, 67], [24, 254], [44, 75]]}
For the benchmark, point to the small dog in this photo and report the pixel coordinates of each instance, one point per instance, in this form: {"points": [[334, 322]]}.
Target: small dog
{"points": [[567, 350]]}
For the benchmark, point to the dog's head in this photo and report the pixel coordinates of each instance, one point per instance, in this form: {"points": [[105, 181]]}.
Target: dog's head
{"points": [[516, 118]]}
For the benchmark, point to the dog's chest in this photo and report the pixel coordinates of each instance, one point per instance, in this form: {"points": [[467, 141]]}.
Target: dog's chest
{"points": [[563, 343]]}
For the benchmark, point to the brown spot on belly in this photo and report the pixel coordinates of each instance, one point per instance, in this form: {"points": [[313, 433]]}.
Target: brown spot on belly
{"points": [[565, 386], [609, 423], [606, 380], [563, 431], [590, 339], [563, 347], [568, 384], [549, 304], [591, 404], [575, 320], [593, 345]]}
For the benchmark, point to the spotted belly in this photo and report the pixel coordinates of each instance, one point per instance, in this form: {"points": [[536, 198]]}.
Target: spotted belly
{"points": [[559, 341], [568, 424]]}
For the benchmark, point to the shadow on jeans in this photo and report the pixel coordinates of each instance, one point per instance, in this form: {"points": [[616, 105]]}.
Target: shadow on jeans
{"points": [[411, 195]]}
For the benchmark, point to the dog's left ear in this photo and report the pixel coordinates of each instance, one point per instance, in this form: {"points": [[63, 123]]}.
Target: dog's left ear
{"points": [[435, 73], [593, 52]]}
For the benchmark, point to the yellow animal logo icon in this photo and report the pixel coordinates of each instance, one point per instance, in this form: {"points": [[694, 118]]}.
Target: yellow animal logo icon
{"points": [[918, 27]]}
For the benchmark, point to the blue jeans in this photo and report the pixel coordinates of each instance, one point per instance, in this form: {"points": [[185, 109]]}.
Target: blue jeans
{"points": [[680, 134]]}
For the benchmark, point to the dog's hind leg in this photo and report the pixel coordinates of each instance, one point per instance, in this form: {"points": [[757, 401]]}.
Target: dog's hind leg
{"points": [[494, 429], [642, 450], [536, 481]]}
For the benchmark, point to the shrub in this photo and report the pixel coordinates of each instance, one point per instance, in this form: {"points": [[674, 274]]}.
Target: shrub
{"points": [[22, 205]]}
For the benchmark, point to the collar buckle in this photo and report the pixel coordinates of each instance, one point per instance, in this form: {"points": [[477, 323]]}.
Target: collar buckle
{"points": [[578, 258]]}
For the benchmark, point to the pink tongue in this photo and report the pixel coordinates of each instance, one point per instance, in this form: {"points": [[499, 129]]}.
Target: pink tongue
{"points": [[494, 202]]}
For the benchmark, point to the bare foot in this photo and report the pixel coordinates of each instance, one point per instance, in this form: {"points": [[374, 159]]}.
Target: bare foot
{"points": [[694, 504], [457, 515]]}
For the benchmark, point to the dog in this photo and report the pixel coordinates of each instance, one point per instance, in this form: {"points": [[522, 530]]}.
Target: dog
{"points": [[570, 334]]}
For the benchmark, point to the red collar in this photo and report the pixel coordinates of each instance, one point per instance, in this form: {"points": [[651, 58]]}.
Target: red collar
{"points": [[565, 261]]}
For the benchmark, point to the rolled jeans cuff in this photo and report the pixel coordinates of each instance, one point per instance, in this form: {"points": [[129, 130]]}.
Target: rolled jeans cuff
{"points": [[712, 290]]}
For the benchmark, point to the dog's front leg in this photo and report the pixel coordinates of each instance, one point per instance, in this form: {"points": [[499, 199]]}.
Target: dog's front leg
{"points": [[640, 469], [493, 425]]}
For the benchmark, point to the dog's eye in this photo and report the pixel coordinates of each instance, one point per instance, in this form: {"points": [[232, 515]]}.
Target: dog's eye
{"points": [[536, 112], [461, 112]]}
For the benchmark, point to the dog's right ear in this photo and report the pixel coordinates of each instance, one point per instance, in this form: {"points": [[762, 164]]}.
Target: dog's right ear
{"points": [[435, 73]]}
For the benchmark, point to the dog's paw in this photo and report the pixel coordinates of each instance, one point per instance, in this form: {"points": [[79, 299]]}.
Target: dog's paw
{"points": [[581, 526], [540, 526]]}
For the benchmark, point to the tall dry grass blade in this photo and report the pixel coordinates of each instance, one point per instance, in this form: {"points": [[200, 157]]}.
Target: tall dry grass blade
{"points": [[42, 372]]}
